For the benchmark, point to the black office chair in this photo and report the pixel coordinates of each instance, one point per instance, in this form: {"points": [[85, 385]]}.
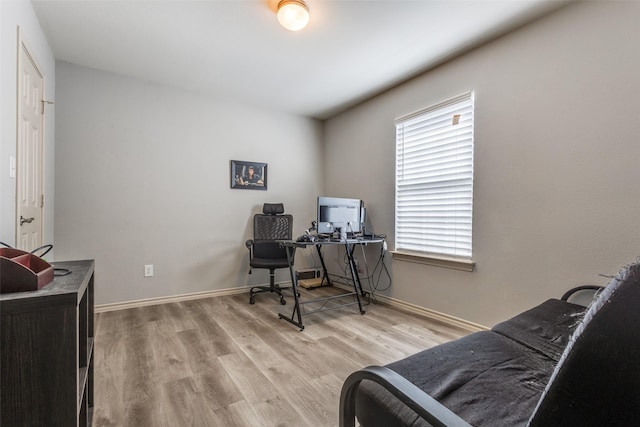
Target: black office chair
{"points": [[264, 252]]}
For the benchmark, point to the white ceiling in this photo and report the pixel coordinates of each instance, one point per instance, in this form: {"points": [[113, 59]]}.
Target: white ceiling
{"points": [[235, 49]]}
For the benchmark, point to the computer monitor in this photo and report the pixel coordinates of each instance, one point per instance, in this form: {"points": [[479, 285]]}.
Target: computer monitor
{"points": [[337, 213]]}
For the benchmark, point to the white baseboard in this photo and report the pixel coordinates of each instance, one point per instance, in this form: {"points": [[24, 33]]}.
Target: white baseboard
{"points": [[101, 308], [165, 300], [426, 312], [432, 314], [412, 308]]}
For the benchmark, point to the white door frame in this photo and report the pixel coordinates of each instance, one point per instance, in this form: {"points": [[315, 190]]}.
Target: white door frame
{"points": [[30, 177]]}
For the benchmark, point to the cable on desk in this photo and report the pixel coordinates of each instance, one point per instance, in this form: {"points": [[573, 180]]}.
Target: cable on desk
{"points": [[61, 271], [380, 267], [383, 268], [373, 278]]}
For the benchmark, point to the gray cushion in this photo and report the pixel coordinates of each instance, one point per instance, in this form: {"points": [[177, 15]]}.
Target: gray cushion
{"points": [[597, 379], [545, 328], [485, 378]]}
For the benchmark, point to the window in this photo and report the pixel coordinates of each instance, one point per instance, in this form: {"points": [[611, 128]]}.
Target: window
{"points": [[434, 180]]}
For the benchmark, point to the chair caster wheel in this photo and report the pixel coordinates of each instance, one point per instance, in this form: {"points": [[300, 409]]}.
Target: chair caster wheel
{"points": [[283, 301], [252, 300]]}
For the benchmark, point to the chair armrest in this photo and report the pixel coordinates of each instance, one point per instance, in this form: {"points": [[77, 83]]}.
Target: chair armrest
{"points": [[420, 402], [572, 291], [249, 245]]}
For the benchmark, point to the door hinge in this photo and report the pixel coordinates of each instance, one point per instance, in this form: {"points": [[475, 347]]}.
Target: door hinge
{"points": [[44, 101], [42, 200]]}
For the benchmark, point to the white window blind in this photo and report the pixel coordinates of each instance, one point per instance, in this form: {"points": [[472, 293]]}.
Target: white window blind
{"points": [[434, 179]]}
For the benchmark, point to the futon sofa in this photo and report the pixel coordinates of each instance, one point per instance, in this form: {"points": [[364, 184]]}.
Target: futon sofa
{"points": [[557, 364]]}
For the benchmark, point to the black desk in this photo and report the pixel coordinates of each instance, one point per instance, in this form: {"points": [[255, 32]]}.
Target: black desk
{"points": [[349, 244]]}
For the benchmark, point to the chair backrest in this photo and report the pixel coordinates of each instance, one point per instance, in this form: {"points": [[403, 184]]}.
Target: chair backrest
{"points": [[269, 226], [597, 380]]}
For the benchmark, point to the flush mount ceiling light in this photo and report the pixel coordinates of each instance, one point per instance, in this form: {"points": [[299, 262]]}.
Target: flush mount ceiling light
{"points": [[293, 14]]}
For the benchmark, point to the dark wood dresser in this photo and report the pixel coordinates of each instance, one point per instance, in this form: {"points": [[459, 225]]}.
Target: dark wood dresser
{"points": [[46, 347]]}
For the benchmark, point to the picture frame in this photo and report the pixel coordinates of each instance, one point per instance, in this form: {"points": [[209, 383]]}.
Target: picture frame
{"points": [[247, 175]]}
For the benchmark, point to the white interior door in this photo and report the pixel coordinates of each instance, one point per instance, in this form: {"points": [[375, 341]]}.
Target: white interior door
{"points": [[30, 151]]}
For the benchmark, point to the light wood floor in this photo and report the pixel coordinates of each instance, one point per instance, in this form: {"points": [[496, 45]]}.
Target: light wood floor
{"points": [[222, 362]]}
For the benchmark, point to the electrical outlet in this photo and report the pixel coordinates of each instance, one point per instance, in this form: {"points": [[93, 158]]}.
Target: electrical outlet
{"points": [[148, 270]]}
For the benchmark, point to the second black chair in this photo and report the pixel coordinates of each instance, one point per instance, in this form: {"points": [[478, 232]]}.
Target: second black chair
{"points": [[264, 250]]}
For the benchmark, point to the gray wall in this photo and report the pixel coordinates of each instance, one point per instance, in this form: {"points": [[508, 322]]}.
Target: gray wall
{"points": [[142, 170], [556, 161], [143, 178], [14, 14]]}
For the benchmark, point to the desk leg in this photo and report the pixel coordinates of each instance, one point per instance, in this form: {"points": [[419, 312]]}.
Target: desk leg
{"points": [[354, 271], [294, 285], [354, 275], [325, 275]]}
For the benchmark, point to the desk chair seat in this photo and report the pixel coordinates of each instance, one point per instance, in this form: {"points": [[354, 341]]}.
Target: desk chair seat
{"points": [[264, 250]]}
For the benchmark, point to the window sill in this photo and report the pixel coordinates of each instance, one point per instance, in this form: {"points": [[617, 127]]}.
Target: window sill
{"points": [[438, 261]]}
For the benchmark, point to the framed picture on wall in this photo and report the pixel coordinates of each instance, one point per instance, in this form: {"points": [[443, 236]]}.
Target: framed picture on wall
{"points": [[248, 175]]}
